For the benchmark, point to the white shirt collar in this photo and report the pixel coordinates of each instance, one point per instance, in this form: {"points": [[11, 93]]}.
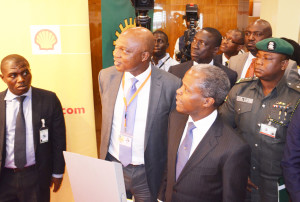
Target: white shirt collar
{"points": [[10, 96], [205, 123], [211, 62], [141, 77]]}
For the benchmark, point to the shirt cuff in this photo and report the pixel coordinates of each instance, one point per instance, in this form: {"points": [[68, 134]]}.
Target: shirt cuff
{"points": [[57, 175]]}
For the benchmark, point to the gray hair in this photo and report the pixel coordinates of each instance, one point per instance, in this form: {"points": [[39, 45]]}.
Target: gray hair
{"points": [[215, 84]]}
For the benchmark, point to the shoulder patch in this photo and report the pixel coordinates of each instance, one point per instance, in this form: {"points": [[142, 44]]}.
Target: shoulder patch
{"points": [[295, 86], [242, 80]]}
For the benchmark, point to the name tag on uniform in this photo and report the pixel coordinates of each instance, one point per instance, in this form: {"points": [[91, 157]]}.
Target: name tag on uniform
{"points": [[244, 99], [268, 130], [125, 139]]}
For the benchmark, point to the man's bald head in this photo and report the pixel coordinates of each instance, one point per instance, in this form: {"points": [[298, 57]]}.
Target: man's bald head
{"points": [[255, 32], [141, 35], [266, 26], [18, 60], [133, 50]]}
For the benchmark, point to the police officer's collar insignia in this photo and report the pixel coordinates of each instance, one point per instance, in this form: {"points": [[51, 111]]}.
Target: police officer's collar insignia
{"points": [[271, 45]]}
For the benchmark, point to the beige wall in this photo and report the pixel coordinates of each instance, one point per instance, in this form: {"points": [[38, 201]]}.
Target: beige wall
{"points": [[284, 16]]}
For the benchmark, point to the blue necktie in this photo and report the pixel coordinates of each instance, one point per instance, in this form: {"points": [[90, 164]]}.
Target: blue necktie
{"points": [[184, 149], [125, 152], [20, 137]]}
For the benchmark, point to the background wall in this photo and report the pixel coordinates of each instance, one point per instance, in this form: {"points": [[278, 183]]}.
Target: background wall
{"points": [[284, 16]]}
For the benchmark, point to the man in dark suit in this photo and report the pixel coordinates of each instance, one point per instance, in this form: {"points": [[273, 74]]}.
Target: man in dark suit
{"points": [[232, 44], [135, 134], [207, 161], [32, 136], [204, 47], [291, 157]]}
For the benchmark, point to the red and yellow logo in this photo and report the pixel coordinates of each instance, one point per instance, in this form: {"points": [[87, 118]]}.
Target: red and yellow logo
{"points": [[45, 39]]}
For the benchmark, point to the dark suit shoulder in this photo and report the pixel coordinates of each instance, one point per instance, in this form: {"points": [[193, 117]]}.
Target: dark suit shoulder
{"points": [[42, 91], [232, 75], [166, 76], [218, 58], [180, 69]]}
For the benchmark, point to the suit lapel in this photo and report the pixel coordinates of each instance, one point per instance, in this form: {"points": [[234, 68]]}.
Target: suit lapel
{"points": [[2, 123], [155, 91], [208, 143], [36, 116], [240, 68], [115, 81], [175, 135]]}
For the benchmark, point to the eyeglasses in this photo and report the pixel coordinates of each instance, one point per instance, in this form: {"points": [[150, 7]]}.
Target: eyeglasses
{"points": [[199, 42], [230, 40], [256, 34]]}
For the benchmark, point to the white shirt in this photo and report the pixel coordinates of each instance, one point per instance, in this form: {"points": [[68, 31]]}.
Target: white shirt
{"points": [[140, 117], [202, 126], [12, 109], [166, 62], [247, 64], [211, 63], [224, 59]]}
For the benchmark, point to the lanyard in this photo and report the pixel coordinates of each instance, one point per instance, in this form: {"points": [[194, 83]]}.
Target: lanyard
{"points": [[164, 62], [133, 96]]}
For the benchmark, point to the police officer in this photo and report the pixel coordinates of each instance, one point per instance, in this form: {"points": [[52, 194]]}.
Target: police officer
{"points": [[260, 109]]}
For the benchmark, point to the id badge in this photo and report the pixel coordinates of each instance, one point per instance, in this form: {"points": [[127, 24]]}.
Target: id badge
{"points": [[125, 139], [44, 136], [268, 130]]}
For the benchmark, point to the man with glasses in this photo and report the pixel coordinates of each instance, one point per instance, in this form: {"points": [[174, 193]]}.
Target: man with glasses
{"points": [[232, 44], [204, 47]]}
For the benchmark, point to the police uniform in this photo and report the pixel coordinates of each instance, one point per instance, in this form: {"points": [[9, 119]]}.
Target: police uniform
{"points": [[262, 121]]}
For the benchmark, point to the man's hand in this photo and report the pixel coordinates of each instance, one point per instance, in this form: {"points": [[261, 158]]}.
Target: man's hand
{"points": [[251, 185], [56, 182]]}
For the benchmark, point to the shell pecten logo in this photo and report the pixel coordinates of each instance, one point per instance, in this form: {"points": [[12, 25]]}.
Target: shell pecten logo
{"points": [[45, 39]]}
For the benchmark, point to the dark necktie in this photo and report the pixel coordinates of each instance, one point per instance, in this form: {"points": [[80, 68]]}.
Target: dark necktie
{"points": [[125, 152], [20, 137], [184, 149], [226, 63]]}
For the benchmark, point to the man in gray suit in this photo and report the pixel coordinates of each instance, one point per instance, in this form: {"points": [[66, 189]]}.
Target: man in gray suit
{"points": [[134, 127], [207, 161], [255, 32]]}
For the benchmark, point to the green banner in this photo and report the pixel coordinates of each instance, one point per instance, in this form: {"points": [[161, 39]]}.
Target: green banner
{"points": [[117, 16]]}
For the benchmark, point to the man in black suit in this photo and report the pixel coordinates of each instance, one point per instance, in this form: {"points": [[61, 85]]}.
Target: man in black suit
{"points": [[32, 136], [207, 161], [204, 47]]}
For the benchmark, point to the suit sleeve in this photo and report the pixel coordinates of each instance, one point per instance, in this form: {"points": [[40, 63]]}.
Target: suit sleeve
{"points": [[235, 174], [58, 137], [291, 158]]}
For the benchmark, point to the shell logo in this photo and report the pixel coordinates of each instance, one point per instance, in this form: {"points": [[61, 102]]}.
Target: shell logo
{"points": [[45, 39]]}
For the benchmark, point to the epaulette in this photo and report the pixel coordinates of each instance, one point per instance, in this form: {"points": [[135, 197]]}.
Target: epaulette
{"points": [[295, 86], [242, 80]]}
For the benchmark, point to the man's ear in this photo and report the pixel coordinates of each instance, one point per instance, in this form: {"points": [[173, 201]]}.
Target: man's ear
{"points": [[284, 64], [145, 56], [216, 50], [209, 102], [1, 76]]}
